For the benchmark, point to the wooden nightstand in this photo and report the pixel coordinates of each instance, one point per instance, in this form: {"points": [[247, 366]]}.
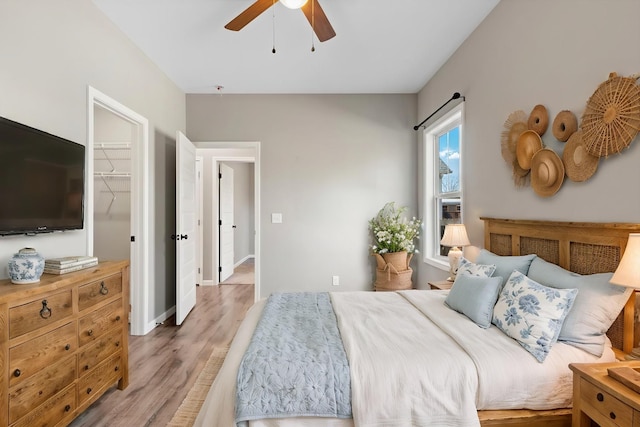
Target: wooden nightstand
{"points": [[598, 397], [442, 284]]}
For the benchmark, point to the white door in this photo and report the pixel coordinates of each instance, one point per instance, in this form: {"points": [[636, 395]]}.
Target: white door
{"points": [[226, 225], [186, 224]]}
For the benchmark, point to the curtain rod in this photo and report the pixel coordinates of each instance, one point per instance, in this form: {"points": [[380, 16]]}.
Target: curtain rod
{"points": [[455, 95]]}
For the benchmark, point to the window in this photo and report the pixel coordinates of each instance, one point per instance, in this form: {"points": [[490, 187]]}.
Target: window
{"points": [[443, 182]]}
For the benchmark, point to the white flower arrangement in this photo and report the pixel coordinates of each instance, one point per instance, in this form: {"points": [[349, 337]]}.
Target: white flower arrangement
{"points": [[391, 233]]}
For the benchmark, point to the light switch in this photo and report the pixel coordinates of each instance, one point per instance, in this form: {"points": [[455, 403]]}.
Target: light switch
{"points": [[276, 218]]}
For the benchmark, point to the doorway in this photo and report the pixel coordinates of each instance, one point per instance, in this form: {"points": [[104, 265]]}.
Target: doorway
{"points": [[126, 187], [213, 153]]}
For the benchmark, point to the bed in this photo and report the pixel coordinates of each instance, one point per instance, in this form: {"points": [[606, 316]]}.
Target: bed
{"points": [[376, 346]]}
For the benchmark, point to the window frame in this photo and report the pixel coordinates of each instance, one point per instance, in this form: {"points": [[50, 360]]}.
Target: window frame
{"points": [[432, 195]]}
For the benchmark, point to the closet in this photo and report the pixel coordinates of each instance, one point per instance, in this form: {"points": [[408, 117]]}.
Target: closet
{"points": [[112, 186]]}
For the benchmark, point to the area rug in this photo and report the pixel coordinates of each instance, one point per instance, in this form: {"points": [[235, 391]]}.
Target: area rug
{"points": [[190, 406]]}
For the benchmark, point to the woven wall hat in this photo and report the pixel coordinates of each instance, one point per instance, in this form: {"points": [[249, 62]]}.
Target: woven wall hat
{"points": [[579, 165], [538, 119], [529, 143], [515, 124], [611, 119], [564, 125], [547, 172]]}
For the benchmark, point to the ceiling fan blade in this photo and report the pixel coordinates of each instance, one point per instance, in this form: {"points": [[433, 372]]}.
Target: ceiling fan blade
{"points": [[249, 14], [318, 20]]}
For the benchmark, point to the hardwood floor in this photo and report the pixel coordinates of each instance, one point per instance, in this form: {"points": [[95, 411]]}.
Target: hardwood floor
{"points": [[164, 364]]}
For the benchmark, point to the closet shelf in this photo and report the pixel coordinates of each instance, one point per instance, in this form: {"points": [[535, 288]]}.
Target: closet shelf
{"points": [[112, 174], [112, 146]]}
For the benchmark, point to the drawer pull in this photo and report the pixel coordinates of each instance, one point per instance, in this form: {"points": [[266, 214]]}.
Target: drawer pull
{"points": [[117, 368], [117, 343], [17, 373], [90, 332], [67, 347], [67, 408], [45, 313], [612, 415], [86, 367], [103, 288], [89, 390], [600, 397], [118, 318]]}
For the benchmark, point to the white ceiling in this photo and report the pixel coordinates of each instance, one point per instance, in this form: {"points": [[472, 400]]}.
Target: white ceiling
{"points": [[390, 46]]}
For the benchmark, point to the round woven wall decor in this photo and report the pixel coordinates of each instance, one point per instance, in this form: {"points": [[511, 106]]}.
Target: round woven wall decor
{"points": [[611, 119]]}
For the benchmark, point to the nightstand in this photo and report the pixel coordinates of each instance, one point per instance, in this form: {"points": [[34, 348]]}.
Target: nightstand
{"points": [[442, 284], [598, 397]]}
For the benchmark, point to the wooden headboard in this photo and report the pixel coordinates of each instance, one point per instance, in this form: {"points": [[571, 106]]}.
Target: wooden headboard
{"points": [[581, 247]]}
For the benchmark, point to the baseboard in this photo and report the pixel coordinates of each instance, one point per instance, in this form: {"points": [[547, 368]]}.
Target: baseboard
{"points": [[243, 260], [164, 316], [208, 283]]}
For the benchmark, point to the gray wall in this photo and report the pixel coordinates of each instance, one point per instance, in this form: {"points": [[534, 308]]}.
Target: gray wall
{"points": [[51, 52], [548, 52], [328, 164]]}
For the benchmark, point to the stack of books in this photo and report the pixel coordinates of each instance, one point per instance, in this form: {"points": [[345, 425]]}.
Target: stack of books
{"points": [[68, 264]]}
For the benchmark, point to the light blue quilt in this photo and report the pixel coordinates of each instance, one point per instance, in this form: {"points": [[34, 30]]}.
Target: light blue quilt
{"points": [[295, 364]]}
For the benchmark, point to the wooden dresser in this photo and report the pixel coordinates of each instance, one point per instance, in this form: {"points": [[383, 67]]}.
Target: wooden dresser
{"points": [[64, 342]]}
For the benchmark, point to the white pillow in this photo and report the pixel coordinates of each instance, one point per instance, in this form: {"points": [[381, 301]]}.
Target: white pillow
{"points": [[479, 270], [531, 313]]}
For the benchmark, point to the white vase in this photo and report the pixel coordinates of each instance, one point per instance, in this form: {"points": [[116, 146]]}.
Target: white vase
{"points": [[26, 266]]}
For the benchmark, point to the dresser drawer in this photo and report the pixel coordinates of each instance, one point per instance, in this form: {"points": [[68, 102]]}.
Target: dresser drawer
{"points": [[53, 411], [95, 324], [38, 313], [100, 290], [34, 355], [103, 347], [103, 376], [610, 409], [38, 388]]}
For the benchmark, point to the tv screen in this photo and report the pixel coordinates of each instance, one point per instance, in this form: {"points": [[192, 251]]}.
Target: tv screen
{"points": [[41, 181]]}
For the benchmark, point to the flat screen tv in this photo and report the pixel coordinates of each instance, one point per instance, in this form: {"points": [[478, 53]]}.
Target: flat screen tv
{"points": [[41, 181]]}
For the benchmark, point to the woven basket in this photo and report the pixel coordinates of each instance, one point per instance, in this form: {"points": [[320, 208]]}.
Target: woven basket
{"points": [[611, 119], [387, 280]]}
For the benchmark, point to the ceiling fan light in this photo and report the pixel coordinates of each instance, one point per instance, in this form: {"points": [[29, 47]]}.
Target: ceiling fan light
{"points": [[293, 4]]}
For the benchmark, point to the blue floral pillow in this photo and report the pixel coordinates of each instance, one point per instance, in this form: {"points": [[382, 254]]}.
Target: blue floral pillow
{"points": [[480, 270], [531, 313]]}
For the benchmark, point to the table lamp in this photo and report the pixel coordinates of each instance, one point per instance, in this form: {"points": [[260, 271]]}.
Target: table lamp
{"points": [[628, 271], [628, 274], [454, 235]]}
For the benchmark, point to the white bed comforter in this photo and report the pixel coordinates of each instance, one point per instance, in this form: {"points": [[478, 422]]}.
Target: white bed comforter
{"points": [[415, 362]]}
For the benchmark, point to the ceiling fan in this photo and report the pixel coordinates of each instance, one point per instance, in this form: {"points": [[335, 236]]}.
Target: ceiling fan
{"points": [[311, 9]]}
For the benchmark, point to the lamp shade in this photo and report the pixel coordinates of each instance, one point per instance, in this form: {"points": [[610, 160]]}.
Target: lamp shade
{"points": [[293, 4], [628, 271], [455, 235]]}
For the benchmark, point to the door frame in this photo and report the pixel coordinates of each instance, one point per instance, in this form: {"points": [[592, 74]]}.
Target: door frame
{"points": [[140, 201], [228, 152]]}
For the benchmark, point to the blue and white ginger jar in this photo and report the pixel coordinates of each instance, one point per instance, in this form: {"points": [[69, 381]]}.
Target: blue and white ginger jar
{"points": [[26, 266]]}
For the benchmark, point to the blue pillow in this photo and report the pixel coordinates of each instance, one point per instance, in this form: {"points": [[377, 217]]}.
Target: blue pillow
{"points": [[505, 264], [596, 307], [475, 297], [531, 313]]}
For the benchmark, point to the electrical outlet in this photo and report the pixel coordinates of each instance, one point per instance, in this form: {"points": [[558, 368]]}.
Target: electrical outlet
{"points": [[335, 280]]}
